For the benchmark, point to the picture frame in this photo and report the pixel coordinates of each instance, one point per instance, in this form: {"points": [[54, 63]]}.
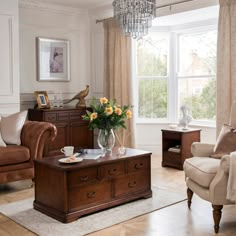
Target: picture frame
{"points": [[53, 59], [42, 99]]}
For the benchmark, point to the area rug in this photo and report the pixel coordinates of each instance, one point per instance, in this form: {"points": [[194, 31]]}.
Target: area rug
{"points": [[23, 213]]}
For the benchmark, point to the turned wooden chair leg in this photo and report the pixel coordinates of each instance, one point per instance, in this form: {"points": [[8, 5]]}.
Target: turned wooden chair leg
{"points": [[217, 216], [190, 195]]}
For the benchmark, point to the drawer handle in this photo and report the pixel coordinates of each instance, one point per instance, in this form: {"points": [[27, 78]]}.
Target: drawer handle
{"points": [[112, 172], [91, 194], [138, 166], [84, 178], [132, 185]]}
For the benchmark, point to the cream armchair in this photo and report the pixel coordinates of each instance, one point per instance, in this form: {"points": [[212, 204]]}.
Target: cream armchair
{"points": [[208, 177]]}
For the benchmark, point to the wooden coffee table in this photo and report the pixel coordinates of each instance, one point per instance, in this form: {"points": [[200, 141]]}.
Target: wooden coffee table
{"points": [[68, 191]]}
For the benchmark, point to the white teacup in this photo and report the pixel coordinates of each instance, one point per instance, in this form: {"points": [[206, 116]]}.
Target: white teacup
{"points": [[68, 150]]}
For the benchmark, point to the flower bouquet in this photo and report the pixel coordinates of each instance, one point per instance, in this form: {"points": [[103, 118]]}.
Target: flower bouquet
{"points": [[107, 115]]}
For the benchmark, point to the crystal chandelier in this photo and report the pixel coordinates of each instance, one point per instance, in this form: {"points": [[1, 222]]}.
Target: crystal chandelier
{"points": [[134, 16]]}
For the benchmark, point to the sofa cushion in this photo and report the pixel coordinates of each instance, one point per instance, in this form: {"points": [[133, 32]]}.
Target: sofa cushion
{"points": [[2, 143], [201, 170], [13, 154], [226, 142], [11, 127]]}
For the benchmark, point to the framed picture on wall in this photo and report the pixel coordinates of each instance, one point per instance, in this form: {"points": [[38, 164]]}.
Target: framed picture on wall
{"points": [[53, 59], [42, 99]]}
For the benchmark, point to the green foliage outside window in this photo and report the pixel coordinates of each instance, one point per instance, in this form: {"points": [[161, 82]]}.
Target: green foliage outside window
{"points": [[152, 98], [198, 57], [149, 64], [204, 104]]}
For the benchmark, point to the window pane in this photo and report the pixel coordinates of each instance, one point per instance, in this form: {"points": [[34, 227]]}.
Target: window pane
{"points": [[200, 95], [197, 53], [152, 98], [152, 53]]}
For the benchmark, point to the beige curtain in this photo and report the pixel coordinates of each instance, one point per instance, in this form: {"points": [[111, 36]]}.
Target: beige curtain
{"points": [[226, 61], [117, 76]]}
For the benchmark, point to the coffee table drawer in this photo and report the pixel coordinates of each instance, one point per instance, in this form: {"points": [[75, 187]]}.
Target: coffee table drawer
{"points": [[113, 169], [82, 176], [138, 164], [89, 195], [132, 183]]}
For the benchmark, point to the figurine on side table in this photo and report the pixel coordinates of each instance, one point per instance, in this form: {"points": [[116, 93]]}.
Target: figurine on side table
{"points": [[186, 118]]}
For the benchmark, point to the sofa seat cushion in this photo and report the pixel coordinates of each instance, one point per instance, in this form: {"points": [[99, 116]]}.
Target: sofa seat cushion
{"points": [[201, 170], [13, 154]]}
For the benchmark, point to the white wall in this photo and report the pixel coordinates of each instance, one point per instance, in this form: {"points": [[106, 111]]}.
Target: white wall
{"points": [[9, 57], [51, 21], [148, 136], [87, 53]]}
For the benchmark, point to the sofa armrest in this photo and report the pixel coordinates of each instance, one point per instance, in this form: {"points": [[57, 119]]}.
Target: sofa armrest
{"points": [[202, 149], [35, 134]]}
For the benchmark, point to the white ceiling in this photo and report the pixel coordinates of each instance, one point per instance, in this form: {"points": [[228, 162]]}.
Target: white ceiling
{"points": [[175, 19], [83, 4]]}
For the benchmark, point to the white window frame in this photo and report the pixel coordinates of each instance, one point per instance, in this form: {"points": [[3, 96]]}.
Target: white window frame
{"points": [[136, 78], [172, 76]]}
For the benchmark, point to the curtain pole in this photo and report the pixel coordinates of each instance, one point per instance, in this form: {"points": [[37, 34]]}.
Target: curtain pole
{"points": [[162, 6]]}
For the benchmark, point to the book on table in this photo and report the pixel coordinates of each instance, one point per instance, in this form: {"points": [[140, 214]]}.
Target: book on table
{"points": [[175, 149], [91, 154]]}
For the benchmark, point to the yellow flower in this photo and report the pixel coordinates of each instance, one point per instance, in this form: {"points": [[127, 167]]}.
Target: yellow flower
{"points": [[103, 100], [93, 116], [109, 110], [129, 114], [118, 111]]}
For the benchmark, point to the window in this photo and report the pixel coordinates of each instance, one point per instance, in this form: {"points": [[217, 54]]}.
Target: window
{"points": [[196, 73], [175, 68], [152, 70]]}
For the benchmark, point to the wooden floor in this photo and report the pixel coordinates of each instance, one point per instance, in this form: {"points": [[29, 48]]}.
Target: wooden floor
{"points": [[175, 220]]}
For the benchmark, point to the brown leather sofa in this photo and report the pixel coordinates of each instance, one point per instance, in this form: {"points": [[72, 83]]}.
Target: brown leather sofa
{"points": [[17, 162]]}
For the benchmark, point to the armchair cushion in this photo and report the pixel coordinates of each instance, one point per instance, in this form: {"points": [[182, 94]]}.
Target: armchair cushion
{"points": [[11, 127], [226, 142], [202, 170]]}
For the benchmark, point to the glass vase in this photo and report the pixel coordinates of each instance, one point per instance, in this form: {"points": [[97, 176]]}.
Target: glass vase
{"points": [[106, 140]]}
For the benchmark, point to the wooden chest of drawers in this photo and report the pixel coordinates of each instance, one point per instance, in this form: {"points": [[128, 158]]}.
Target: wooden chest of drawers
{"points": [[72, 130], [68, 191]]}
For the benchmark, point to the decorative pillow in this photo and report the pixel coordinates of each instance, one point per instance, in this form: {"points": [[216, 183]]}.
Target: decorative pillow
{"points": [[226, 142], [11, 127], [2, 144]]}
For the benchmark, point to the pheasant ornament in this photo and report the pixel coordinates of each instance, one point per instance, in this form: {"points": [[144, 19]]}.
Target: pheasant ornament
{"points": [[81, 97]]}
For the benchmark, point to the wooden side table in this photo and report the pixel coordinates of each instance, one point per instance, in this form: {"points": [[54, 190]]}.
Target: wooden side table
{"points": [[176, 146]]}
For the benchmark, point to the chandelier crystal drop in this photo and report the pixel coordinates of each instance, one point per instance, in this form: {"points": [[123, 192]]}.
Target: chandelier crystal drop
{"points": [[134, 16]]}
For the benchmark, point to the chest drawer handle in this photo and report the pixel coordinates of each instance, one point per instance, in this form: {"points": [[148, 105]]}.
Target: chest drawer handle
{"points": [[84, 178], [132, 185], [91, 194], [138, 166], [112, 172]]}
